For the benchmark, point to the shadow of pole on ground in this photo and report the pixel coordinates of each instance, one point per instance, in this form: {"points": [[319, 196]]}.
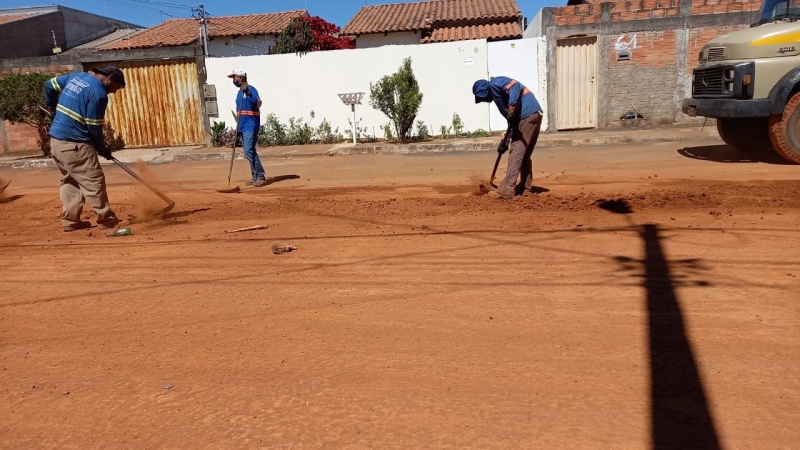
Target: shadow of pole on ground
{"points": [[680, 416]]}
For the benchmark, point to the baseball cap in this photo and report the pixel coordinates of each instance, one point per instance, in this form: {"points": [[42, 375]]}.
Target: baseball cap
{"points": [[112, 70], [237, 72], [480, 90]]}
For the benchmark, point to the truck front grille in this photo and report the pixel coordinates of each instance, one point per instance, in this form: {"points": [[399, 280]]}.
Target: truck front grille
{"points": [[716, 54], [708, 82], [712, 54]]}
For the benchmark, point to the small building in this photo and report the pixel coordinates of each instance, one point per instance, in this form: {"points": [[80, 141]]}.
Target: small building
{"points": [[628, 63], [48, 30], [435, 21], [247, 35]]}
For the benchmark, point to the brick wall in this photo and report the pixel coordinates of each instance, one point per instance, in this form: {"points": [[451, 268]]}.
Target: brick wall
{"points": [[646, 83], [661, 38], [646, 9], [21, 138]]}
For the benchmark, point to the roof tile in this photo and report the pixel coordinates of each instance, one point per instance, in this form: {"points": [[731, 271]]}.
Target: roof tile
{"points": [[430, 14], [178, 32], [490, 32]]}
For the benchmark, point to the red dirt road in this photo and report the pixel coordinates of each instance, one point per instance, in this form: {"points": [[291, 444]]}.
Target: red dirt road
{"points": [[413, 314]]}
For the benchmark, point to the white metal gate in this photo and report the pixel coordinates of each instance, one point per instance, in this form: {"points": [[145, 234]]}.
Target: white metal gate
{"points": [[576, 89]]}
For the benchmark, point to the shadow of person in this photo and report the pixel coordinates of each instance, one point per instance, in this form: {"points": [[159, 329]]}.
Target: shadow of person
{"points": [[726, 154], [280, 178]]}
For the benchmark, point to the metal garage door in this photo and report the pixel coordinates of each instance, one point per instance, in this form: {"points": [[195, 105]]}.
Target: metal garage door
{"points": [[576, 87], [160, 106]]}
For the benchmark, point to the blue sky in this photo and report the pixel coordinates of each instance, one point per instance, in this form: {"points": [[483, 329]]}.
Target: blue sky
{"points": [[152, 12]]}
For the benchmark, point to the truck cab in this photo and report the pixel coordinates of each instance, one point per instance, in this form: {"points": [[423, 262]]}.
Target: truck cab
{"points": [[749, 81]]}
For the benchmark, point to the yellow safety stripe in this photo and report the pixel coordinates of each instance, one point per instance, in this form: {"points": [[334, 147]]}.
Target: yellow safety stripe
{"points": [[55, 84], [78, 118]]}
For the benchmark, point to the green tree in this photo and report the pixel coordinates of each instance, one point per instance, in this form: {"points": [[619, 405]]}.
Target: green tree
{"points": [[398, 97], [21, 96]]}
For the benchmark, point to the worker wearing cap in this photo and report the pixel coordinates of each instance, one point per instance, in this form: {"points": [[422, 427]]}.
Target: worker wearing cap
{"points": [[249, 116], [524, 115], [79, 102]]}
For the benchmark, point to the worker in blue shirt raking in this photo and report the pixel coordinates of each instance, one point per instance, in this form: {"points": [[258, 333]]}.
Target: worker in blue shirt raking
{"points": [[248, 113], [524, 115], [77, 102]]}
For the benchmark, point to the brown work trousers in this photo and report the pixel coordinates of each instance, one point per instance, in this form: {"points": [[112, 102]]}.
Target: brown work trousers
{"points": [[523, 140], [81, 178]]}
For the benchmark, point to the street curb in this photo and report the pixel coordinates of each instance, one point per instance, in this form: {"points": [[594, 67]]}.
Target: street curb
{"points": [[390, 149]]}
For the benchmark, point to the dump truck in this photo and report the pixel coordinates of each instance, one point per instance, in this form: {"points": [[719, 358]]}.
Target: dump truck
{"points": [[749, 81]]}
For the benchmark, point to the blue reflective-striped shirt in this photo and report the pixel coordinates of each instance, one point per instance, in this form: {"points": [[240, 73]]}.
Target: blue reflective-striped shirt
{"points": [[80, 101]]}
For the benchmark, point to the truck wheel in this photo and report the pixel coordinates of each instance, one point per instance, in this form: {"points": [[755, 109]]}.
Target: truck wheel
{"points": [[784, 131], [745, 135]]}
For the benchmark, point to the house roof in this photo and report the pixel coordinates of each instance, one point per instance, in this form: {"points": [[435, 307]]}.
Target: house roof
{"points": [[12, 17], [491, 32], [97, 44], [429, 15], [178, 32]]}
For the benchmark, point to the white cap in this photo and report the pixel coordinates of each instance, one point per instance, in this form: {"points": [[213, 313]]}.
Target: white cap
{"points": [[238, 72]]}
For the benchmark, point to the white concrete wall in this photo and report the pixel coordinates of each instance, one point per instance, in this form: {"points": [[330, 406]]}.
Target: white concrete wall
{"points": [[534, 27], [541, 95], [240, 46], [378, 39], [517, 59], [292, 86]]}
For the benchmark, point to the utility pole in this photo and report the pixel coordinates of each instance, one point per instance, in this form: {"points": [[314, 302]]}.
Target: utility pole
{"points": [[203, 29]]}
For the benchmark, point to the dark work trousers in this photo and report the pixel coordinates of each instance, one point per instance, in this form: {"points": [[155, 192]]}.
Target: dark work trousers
{"points": [[523, 140]]}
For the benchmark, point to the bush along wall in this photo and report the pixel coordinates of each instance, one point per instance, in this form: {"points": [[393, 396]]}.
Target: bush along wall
{"points": [[298, 131]]}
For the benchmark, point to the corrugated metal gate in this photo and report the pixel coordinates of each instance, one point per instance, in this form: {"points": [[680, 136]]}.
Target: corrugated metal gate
{"points": [[160, 105], [576, 90]]}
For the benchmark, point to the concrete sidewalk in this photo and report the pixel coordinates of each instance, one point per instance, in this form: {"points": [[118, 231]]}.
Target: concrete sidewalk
{"points": [[546, 140]]}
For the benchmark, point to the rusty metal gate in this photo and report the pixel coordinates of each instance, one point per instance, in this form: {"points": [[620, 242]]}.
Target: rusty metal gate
{"points": [[576, 87], [160, 106]]}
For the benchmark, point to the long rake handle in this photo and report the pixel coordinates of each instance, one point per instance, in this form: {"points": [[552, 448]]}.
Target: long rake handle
{"points": [[149, 186], [235, 138]]}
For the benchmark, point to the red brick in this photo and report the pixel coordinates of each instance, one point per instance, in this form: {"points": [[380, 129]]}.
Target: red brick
{"points": [[627, 15], [671, 12], [616, 16], [659, 13]]}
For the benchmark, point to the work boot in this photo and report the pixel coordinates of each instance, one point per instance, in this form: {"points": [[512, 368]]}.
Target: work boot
{"points": [[77, 226], [250, 182], [109, 223], [529, 183], [500, 195], [259, 183]]}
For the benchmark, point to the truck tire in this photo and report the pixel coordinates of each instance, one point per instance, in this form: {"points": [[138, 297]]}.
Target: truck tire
{"points": [[745, 135], [784, 130]]}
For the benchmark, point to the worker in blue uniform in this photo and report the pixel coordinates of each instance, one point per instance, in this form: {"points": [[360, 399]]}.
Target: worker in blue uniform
{"points": [[248, 113], [524, 115], [78, 101]]}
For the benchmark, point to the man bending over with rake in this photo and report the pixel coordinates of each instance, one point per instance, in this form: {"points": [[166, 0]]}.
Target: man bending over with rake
{"points": [[524, 114]]}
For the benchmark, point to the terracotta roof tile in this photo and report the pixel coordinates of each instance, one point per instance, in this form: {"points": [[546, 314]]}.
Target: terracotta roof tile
{"points": [[13, 17], [428, 15], [178, 32], [491, 32]]}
